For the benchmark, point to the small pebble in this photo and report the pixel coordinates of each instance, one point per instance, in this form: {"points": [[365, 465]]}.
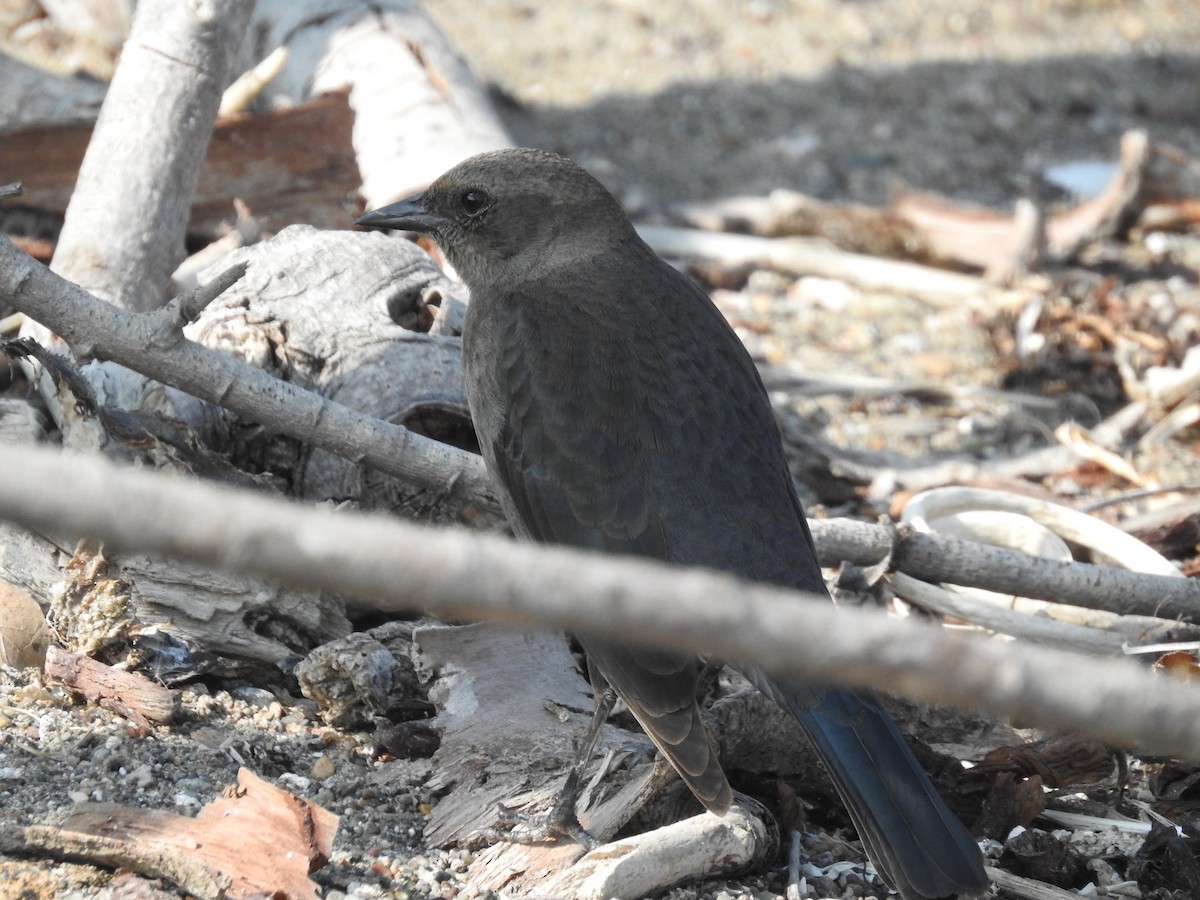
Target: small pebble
{"points": [[323, 767], [257, 696]]}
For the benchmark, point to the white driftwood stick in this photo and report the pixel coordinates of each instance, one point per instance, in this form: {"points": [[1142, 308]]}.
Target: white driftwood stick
{"points": [[690, 611], [648, 863], [806, 256], [1027, 888], [1038, 629]]}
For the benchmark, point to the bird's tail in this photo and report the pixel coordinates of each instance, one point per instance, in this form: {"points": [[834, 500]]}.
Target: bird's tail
{"points": [[660, 690], [919, 846], [682, 738]]}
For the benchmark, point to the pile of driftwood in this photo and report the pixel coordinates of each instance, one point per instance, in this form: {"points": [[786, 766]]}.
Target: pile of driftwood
{"points": [[290, 360]]}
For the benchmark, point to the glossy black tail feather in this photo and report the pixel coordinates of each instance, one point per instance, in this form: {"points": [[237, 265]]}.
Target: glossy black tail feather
{"points": [[922, 848]]}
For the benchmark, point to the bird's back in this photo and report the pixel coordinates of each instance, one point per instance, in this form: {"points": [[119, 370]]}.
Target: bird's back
{"points": [[626, 392]]}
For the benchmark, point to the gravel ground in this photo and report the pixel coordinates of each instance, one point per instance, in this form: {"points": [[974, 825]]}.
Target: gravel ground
{"points": [[667, 102]]}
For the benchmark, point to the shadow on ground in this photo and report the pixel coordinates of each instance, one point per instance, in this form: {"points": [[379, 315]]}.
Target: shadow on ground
{"points": [[978, 131]]}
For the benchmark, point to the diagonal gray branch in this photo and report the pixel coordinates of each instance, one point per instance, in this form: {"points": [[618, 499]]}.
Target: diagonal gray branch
{"points": [[471, 575], [154, 345]]}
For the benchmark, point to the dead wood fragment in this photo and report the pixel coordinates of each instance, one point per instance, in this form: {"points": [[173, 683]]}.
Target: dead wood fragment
{"points": [[1017, 624], [365, 677], [255, 840], [1081, 441], [246, 87], [969, 236], [99, 605], [1167, 215], [491, 678], [288, 166], [129, 693], [1059, 761], [1027, 888], [428, 90], [1148, 173], [179, 867], [648, 863], [784, 213], [24, 636]]}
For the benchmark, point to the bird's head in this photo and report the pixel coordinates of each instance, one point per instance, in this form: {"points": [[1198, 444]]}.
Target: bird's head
{"points": [[510, 214]]}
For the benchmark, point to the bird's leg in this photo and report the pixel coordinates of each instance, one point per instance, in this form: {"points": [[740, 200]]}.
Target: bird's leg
{"points": [[561, 821]]}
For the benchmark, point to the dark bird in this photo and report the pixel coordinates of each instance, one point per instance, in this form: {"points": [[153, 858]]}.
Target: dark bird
{"points": [[618, 411]]}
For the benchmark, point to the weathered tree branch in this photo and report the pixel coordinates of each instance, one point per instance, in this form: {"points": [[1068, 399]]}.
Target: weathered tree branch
{"points": [[95, 328], [932, 557], [123, 237], [481, 576]]}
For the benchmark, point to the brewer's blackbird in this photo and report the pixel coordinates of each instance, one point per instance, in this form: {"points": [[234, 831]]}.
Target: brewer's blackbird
{"points": [[618, 411]]}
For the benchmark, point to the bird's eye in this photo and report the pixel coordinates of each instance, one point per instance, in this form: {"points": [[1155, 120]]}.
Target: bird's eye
{"points": [[473, 201]]}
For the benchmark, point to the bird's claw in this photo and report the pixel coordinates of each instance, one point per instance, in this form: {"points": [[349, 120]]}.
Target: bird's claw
{"points": [[537, 828]]}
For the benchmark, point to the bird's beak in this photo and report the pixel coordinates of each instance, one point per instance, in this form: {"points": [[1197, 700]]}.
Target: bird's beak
{"points": [[407, 214]]}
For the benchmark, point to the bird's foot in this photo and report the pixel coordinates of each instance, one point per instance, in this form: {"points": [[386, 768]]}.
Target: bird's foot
{"points": [[538, 828], [561, 821]]}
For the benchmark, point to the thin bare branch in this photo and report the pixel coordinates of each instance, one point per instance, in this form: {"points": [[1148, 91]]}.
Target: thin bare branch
{"points": [[95, 328]]}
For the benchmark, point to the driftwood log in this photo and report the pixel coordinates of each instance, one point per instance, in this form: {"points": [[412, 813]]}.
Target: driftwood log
{"points": [[429, 111], [334, 313]]}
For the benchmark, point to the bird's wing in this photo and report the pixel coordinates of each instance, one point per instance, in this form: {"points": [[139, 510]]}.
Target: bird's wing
{"points": [[566, 437]]}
